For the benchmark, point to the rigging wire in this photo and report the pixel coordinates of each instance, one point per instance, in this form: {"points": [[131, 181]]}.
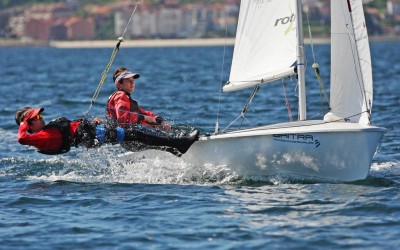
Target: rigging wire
{"points": [[245, 108], [110, 62], [247, 105], [222, 73], [315, 66]]}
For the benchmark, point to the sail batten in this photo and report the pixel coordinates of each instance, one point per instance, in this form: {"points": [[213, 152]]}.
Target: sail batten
{"points": [[265, 45]]}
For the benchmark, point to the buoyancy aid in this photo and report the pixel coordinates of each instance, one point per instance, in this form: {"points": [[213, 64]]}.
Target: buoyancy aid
{"points": [[134, 107], [61, 124]]}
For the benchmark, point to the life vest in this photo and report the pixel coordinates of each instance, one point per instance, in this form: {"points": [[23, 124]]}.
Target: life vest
{"points": [[134, 107], [61, 124]]}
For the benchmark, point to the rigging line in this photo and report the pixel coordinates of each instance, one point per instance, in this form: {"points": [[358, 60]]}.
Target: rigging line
{"points": [[130, 18], [108, 66], [106, 69], [222, 72], [299, 124], [311, 38], [245, 119], [247, 105], [287, 101], [315, 66], [245, 108], [240, 116], [310, 34], [104, 75]]}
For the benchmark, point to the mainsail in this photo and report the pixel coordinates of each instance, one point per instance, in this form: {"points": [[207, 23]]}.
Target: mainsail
{"points": [[266, 42], [351, 73]]}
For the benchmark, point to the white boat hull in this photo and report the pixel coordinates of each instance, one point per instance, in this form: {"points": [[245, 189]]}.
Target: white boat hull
{"points": [[311, 149]]}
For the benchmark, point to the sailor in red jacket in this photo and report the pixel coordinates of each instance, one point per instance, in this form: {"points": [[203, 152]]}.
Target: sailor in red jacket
{"points": [[122, 108], [60, 134], [47, 141]]}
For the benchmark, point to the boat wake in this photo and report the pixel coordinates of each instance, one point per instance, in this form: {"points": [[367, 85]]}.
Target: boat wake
{"points": [[385, 169], [107, 165]]}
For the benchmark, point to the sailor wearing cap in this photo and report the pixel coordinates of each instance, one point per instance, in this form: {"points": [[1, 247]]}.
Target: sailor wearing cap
{"points": [[125, 110]]}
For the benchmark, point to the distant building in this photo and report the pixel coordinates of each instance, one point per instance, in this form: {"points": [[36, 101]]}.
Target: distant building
{"points": [[164, 19], [144, 25], [58, 31], [150, 22], [37, 29], [80, 29], [169, 22], [393, 7], [175, 21], [47, 22], [48, 11], [16, 26]]}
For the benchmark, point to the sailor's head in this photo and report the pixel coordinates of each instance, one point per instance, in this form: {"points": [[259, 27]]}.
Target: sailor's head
{"points": [[124, 79], [31, 116]]}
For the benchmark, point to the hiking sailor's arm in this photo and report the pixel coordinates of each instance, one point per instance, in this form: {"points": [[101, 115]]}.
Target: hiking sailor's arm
{"points": [[40, 140]]}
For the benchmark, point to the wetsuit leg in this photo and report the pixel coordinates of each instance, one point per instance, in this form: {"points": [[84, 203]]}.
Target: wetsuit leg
{"points": [[159, 138], [86, 135]]}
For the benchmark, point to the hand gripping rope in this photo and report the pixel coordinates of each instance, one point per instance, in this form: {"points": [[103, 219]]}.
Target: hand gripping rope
{"points": [[107, 68]]}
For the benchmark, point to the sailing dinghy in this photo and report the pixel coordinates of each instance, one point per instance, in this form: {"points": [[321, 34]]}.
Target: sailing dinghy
{"points": [[268, 47]]}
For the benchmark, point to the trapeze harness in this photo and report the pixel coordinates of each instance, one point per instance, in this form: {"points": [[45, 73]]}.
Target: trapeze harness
{"points": [[62, 124]]}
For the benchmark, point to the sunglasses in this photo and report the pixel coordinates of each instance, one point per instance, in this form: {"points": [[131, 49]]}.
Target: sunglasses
{"points": [[37, 117]]}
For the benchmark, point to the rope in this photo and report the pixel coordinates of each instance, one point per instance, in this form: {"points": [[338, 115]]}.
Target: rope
{"points": [[287, 102], [315, 66], [222, 72], [104, 74], [130, 18], [110, 62], [322, 88]]}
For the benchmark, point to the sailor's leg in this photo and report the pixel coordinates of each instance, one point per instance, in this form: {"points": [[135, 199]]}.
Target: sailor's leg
{"points": [[86, 135], [158, 138]]}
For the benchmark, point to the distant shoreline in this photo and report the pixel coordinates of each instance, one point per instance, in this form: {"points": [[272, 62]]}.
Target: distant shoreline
{"points": [[158, 42], [144, 43]]}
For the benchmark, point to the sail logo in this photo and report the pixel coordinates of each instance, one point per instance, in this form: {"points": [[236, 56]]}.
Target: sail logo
{"points": [[286, 20]]}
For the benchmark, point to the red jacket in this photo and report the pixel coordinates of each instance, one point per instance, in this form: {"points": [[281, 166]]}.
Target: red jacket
{"points": [[46, 139], [124, 109]]}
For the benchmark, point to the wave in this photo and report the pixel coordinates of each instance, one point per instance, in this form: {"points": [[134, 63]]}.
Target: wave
{"points": [[109, 165]]}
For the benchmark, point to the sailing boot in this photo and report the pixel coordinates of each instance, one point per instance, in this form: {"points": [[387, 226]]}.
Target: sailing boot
{"points": [[188, 141]]}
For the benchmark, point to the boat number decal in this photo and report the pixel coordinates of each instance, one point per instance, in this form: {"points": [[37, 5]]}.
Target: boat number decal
{"points": [[297, 138]]}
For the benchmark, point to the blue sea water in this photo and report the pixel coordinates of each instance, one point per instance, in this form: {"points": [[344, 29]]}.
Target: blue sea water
{"points": [[108, 198]]}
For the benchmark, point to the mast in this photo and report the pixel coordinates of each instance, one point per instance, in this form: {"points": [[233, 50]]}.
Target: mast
{"points": [[301, 64]]}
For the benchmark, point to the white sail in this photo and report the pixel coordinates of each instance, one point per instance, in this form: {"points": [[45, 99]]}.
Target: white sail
{"points": [[266, 43], [351, 73]]}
